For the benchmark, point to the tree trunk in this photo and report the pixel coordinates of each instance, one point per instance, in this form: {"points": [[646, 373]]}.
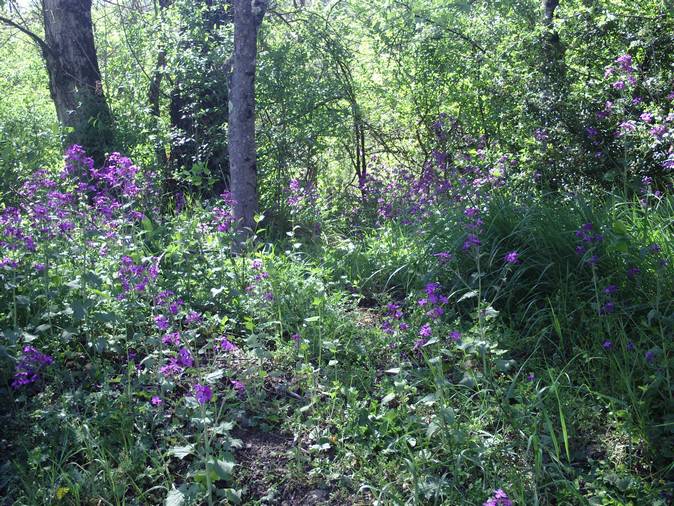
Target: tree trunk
{"points": [[74, 76], [242, 155]]}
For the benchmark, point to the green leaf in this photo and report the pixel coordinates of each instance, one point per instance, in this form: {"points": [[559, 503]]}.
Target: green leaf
{"points": [[223, 468], [388, 398], [181, 451], [175, 498]]}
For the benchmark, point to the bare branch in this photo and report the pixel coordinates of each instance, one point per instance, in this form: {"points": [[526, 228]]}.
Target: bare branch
{"points": [[37, 39]]}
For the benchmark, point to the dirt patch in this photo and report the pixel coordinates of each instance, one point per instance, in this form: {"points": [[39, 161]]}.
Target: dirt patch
{"points": [[274, 472]]}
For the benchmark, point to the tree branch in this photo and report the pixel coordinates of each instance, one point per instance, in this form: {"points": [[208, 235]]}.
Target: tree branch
{"points": [[38, 40]]}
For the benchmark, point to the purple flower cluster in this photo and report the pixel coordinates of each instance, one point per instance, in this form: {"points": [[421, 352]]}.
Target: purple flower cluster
{"points": [[135, 277], [500, 498], [30, 365], [223, 214], [394, 318]]}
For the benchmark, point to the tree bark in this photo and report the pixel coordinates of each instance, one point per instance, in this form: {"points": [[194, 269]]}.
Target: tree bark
{"points": [[241, 140], [74, 75]]}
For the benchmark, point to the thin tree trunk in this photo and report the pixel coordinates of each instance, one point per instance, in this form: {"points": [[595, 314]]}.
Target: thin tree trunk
{"points": [[74, 76], [242, 151]]}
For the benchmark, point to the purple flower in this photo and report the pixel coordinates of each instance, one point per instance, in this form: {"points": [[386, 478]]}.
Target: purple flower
{"points": [[256, 264], [443, 256], [404, 326], [419, 343], [156, 400], [227, 345], [238, 386], [631, 346], [632, 272], [425, 330], [512, 257], [619, 85], [171, 338], [202, 393], [192, 317], [607, 308], [500, 498], [646, 117], [658, 131], [161, 322], [591, 132], [607, 344], [185, 358], [295, 337], [627, 126], [531, 376], [39, 267], [593, 260], [649, 356], [171, 368], [610, 289], [471, 241], [29, 366], [455, 336]]}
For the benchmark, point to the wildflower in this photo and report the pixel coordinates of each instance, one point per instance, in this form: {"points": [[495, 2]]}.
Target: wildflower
{"points": [[646, 117], [268, 296], [227, 345], [455, 335], [295, 337], [238, 386], [425, 330], [512, 257], [658, 131], [171, 338], [654, 248], [419, 343], [404, 326], [471, 241], [156, 400], [256, 264], [591, 132], [619, 85], [627, 126], [435, 313], [593, 260], [630, 346], [161, 322], [171, 368], [607, 308], [625, 62], [193, 317], [202, 393], [443, 256], [649, 356], [531, 376], [39, 267], [610, 289], [632, 272], [185, 358], [29, 367], [500, 498], [607, 344]]}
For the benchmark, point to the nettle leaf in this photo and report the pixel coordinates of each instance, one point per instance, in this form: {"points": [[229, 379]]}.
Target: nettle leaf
{"points": [[468, 295], [388, 398], [175, 497], [182, 451], [223, 468]]}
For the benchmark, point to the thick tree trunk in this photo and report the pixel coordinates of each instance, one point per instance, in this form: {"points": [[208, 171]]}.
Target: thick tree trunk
{"points": [[74, 76], [242, 155]]}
